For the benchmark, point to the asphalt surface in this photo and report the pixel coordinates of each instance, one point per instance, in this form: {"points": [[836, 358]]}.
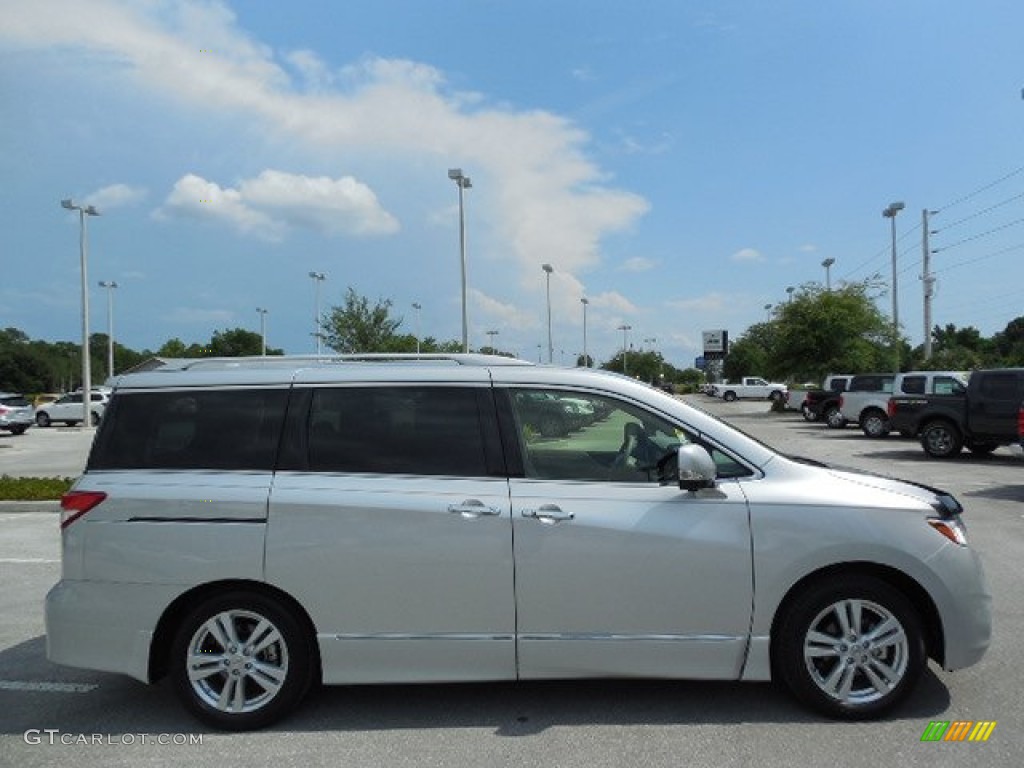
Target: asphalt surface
{"points": [[51, 715]]}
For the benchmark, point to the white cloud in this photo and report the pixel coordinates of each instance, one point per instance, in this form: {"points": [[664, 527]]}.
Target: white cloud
{"points": [[747, 255], [808, 248], [115, 196], [269, 204], [638, 264], [502, 314], [195, 197], [546, 194], [613, 302]]}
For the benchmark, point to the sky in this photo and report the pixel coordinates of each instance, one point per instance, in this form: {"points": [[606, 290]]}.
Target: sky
{"points": [[679, 163]]}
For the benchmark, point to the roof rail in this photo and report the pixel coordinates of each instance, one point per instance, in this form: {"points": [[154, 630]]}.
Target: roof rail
{"points": [[292, 361]]}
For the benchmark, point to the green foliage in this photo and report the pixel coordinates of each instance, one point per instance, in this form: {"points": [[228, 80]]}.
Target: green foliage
{"points": [[358, 327], [33, 488]]}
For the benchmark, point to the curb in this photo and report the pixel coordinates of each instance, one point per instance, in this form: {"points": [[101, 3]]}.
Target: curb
{"points": [[11, 507]]}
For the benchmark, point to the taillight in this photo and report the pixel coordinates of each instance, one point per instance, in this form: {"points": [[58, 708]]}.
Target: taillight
{"points": [[840, 402], [1020, 423], [74, 504], [891, 408]]}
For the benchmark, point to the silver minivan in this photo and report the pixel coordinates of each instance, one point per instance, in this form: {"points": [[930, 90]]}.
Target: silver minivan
{"points": [[250, 527]]}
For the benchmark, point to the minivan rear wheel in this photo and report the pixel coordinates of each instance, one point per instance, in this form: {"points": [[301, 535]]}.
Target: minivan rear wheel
{"points": [[852, 647], [241, 661]]}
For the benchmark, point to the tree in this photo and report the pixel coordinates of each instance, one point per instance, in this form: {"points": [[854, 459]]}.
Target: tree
{"points": [[238, 342], [358, 327]]}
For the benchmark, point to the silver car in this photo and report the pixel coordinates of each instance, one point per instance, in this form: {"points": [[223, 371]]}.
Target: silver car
{"points": [[16, 413], [252, 527]]}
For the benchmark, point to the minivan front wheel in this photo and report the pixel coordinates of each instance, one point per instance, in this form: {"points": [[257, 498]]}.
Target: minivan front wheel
{"points": [[241, 661], [852, 648]]}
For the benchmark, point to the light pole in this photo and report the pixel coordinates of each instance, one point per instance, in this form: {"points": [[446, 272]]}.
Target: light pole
{"points": [[827, 264], [768, 311], [586, 360], [263, 331], [417, 306], [490, 342], [551, 349], [463, 183], [790, 290], [110, 286], [318, 278], [83, 248], [625, 329], [890, 213]]}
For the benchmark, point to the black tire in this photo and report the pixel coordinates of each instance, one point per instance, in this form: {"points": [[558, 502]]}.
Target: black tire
{"points": [[243, 688], [42, 419], [729, 396], [809, 415], [852, 674], [775, 396], [18, 430], [941, 439], [834, 417], [874, 423], [94, 419]]}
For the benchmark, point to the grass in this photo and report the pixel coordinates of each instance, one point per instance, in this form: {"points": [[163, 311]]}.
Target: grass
{"points": [[33, 488]]}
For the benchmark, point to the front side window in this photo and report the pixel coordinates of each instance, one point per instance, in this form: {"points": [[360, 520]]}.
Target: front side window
{"points": [[567, 435], [409, 430]]}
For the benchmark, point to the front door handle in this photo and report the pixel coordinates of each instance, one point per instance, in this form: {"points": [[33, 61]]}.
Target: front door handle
{"points": [[549, 514], [471, 509]]}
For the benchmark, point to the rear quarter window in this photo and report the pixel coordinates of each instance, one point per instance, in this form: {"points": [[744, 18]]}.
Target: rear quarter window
{"points": [[212, 429]]}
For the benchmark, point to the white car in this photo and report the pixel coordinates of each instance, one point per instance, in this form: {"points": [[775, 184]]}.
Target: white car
{"points": [[68, 409], [251, 528]]}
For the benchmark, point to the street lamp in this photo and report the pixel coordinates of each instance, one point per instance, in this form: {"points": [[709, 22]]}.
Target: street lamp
{"points": [[768, 310], [463, 183], [790, 290], [490, 343], [110, 286], [83, 248], [827, 264], [624, 329], [890, 213], [417, 306], [551, 349], [586, 360], [318, 277], [263, 331]]}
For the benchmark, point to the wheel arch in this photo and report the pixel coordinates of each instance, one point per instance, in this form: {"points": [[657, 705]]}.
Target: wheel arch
{"points": [[934, 637], [178, 610]]}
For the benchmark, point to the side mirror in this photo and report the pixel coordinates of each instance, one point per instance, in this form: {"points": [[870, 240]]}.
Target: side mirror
{"points": [[696, 468]]}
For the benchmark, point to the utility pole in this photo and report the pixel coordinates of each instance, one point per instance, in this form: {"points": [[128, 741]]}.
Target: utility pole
{"points": [[929, 284]]}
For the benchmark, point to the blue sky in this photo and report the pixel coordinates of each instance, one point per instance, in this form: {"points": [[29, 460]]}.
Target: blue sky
{"points": [[680, 164]]}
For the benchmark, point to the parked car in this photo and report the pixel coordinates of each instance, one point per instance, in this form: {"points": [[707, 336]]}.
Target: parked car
{"points": [[68, 409], [249, 529], [865, 403], [824, 403], [16, 413], [980, 416], [750, 387]]}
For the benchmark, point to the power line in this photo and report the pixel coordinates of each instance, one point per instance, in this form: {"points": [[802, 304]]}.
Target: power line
{"points": [[978, 191], [979, 213], [965, 262], [978, 236]]}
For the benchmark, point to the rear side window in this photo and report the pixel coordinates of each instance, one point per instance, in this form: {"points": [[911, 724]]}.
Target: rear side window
{"points": [[14, 401], [913, 385], [209, 429], [407, 430], [1001, 386]]}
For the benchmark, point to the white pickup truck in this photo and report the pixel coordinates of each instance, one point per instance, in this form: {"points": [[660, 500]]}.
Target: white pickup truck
{"points": [[751, 387]]}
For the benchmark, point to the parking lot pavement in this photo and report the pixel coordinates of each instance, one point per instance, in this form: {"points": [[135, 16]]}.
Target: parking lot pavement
{"points": [[50, 452], [106, 720]]}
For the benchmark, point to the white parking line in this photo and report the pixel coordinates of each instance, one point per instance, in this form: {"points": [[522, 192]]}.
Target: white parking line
{"points": [[24, 685], [22, 560]]}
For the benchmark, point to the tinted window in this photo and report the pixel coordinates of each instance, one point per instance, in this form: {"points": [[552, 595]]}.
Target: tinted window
{"points": [[219, 429], [578, 436], [913, 385], [397, 430], [14, 401]]}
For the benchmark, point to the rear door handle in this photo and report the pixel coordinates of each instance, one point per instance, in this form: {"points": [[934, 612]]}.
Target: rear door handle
{"points": [[471, 509], [549, 514]]}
